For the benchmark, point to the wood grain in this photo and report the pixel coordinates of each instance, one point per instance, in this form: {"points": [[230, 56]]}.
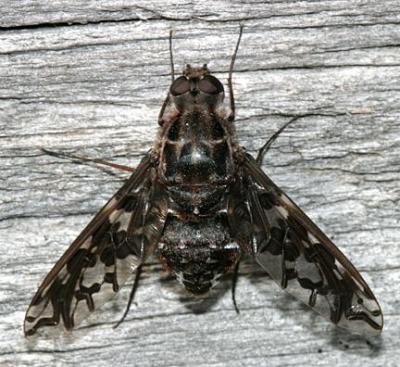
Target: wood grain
{"points": [[90, 76]]}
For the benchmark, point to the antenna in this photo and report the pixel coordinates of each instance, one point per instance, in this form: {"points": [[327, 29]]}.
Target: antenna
{"points": [[231, 97], [235, 52], [171, 56]]}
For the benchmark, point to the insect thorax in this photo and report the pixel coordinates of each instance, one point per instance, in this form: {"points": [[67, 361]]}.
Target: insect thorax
{"points": [[198, 253], [196, 160]]}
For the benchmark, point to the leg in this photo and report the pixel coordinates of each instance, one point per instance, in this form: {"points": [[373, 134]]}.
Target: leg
{"points": [[84, 159], [264, 149], [234, 282], [230, 87], [131, 296]]}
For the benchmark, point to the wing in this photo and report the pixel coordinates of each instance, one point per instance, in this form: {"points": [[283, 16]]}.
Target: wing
{"points": [[304, 261], [103, 256]]}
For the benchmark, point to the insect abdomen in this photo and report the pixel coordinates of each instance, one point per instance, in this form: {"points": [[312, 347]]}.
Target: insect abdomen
{"points": [[197, 253]]}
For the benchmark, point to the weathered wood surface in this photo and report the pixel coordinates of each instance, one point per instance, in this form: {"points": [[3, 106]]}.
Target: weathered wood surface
{"points": [[89, 77]]}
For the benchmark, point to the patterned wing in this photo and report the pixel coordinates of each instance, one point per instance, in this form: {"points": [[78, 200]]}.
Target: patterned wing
{"points": [[304, 261], [103, 256]]}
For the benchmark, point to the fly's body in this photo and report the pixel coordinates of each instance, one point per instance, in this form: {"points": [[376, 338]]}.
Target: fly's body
{"points": [[196, 166], [199, 203]]}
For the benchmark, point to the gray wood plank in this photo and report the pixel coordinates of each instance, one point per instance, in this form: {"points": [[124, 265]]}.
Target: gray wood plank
{"points": [[90, 77]]}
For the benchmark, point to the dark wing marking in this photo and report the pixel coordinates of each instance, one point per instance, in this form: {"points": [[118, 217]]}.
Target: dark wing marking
{"points": [[103, 256], [304, 261]]}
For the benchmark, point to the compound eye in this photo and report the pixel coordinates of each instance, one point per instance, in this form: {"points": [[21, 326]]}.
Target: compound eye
{"points": [[180, 86], [210, 85]]}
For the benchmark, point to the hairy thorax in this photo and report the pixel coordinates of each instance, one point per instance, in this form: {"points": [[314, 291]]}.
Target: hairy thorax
{"points": [[196, 161]]}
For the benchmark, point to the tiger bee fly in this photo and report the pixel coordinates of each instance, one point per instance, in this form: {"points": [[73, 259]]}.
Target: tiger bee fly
{"points": [[199, 202]]}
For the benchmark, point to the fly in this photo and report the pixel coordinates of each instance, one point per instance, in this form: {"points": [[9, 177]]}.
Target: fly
{"points": [[199, 202]]}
